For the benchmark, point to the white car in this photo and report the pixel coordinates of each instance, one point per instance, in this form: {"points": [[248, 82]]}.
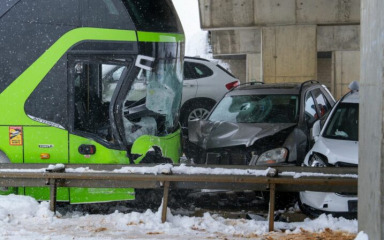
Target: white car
{"points": [[336, 144], [205, 83]]}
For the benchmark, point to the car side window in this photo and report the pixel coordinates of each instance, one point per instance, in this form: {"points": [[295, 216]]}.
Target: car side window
{"points": [[188, 73], [323, 105], [310, 110], [194, 70]]}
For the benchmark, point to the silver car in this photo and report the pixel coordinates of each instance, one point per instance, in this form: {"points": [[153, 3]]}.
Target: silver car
{"points": [[205, 83], [335, 145]]}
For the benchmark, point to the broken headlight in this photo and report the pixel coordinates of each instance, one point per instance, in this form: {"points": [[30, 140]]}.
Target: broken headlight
{"points": [[277, 155]]}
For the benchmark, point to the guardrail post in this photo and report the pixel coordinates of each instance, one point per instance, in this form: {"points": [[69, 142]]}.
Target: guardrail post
{"points": [[165, 202], [53, 191], [271, 214], [53, 185]]}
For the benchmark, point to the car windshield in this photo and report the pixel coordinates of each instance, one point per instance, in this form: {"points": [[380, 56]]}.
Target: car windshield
{"points": [[344, 122], [257, 109]]}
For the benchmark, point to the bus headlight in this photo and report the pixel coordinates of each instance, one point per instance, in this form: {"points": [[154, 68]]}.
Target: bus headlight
{"points": [[277, 155]]}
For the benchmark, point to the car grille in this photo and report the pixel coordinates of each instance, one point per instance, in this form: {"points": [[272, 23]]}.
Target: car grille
{"points": [[229, 156]]}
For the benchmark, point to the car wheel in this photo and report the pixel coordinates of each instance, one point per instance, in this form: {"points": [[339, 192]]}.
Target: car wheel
{"points": [[198, 113], [197, 110]]}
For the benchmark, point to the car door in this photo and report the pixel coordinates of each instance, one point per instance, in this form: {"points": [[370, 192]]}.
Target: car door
{"points": [[189, 82], [322, 103], [206, 84]]}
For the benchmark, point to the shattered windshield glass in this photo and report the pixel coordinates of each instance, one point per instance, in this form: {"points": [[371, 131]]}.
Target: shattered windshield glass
{"points": [[110, 77], [344, 122], [152, 104], [257, 109]]}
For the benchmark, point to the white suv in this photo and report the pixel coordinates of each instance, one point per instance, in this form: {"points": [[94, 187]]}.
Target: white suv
{"points": [[205, 83], [335, 145]]}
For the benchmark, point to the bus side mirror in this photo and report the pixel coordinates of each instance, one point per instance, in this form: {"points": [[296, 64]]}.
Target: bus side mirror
{"points": [[315, 131]]}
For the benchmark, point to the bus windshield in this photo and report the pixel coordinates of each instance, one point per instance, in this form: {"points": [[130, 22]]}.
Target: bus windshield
{"points": [[152, 104]]}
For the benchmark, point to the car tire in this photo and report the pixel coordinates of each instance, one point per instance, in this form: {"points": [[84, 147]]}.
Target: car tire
{"points": [[196, 110]]}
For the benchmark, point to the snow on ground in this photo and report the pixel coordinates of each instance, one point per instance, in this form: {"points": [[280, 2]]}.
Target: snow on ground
{"points": [[22, 217]]}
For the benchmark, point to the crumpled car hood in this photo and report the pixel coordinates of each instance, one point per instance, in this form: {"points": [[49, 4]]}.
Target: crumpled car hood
{"points": [[337, 150], [207, 134]]}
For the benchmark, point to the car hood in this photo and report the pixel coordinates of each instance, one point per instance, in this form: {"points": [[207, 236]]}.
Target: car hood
{"points": [[207, 134], [342, 151]]}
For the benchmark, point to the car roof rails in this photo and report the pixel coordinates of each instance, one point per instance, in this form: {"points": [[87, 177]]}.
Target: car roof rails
{"points": [[247, 83], [197, 58], [250, 83], [307, 82]]}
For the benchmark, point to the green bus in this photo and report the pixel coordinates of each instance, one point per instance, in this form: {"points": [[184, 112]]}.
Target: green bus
{"points": [[89, 82]]}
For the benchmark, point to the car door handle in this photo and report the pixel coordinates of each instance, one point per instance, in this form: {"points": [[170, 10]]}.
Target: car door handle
{"points": [[188, 85]]}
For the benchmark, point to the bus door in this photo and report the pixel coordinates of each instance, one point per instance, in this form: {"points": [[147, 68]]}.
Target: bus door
{"points": [[93, 82]]}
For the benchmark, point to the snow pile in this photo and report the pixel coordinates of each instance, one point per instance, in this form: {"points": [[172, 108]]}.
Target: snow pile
{"points": [[314, 174], [22, 217], [362, 236], [184, 169]]}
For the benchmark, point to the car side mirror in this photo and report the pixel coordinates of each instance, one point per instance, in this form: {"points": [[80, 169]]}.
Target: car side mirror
{"points": [[315, 131]]}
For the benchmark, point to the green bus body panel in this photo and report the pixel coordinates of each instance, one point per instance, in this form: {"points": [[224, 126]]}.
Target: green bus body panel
{"points": [[78, 195], [50, 140], [65, 146], [12, 104], [170, 146], [156, 37], [88, 195], [103, 155], [14, 153], [42, 193]]}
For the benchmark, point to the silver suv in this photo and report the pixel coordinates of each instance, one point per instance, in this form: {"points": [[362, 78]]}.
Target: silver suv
{"points": [[205, 83], [259, 124]]}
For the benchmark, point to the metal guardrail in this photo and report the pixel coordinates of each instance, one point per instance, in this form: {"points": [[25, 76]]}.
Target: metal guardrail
{"points": [[103, 176]]}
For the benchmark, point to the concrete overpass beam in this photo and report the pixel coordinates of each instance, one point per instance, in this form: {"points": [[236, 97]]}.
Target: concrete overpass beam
{"points": [[289, 53], [338, 38], [327, 11], [226, 14], [240, 41]]}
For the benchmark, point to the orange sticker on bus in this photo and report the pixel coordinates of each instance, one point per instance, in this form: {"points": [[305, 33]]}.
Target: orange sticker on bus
{"points": [[15, 136]]}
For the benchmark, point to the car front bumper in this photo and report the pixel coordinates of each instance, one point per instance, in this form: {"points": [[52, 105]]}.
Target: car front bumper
{"points": [[329, 202]]}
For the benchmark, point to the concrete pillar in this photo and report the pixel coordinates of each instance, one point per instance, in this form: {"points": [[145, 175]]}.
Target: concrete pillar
{"points": [[345, 70], [289, 53], [371, 144], [254, 68]]}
